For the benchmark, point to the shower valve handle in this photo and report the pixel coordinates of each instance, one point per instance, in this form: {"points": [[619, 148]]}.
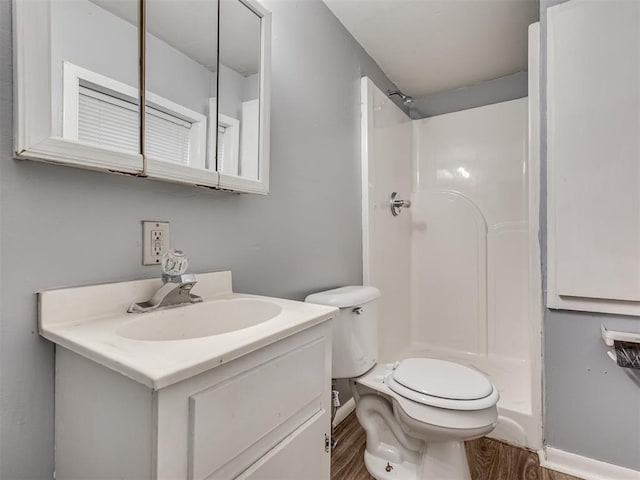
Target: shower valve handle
{"points": [[396, 204]]}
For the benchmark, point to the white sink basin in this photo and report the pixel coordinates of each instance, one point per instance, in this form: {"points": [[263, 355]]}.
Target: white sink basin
{"points": [[206, 319], [163, 348]]}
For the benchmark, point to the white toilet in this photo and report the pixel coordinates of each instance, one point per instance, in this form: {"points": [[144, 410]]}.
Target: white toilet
{"points": [[418, 412]]}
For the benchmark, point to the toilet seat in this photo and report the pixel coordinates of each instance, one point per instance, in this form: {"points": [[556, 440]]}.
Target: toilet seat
{"points": [[444, 413], [442, 384], [440, 378]]}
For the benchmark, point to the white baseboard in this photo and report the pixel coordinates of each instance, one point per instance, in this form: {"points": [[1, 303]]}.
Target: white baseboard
{"points": [[583, 467], [344, 411]]}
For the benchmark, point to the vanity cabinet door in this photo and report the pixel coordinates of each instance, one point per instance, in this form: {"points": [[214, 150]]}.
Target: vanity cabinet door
{"points": [[250, 416], [297, 457], [237, 421]]}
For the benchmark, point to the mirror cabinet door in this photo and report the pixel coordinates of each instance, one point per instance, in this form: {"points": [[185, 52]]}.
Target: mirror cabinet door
{"points": [[181, 45], [77, 83], [242, 152]]}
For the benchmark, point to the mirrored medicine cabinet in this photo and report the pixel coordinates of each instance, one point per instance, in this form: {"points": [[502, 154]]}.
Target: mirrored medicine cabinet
{"points": [[175, 90]]}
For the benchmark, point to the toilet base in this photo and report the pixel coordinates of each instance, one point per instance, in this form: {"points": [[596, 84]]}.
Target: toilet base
{"points": [[412, 440], [440, 460], [445, 461], [378, 467]]}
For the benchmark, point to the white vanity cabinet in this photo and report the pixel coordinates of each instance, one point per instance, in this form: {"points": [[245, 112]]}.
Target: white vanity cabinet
{"points": [[264, 415]]}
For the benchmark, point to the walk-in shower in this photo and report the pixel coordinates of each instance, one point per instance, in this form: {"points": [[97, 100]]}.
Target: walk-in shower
{"points": [[460, 270]]}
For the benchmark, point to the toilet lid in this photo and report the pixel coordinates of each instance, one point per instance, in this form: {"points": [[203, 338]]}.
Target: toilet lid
{"points": [[442, 379]]}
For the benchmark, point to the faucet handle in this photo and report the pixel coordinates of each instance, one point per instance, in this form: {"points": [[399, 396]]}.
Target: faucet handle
{"points": [[174, 263]]}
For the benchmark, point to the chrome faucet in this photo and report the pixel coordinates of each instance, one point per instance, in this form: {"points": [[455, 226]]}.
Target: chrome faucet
{"points": [[176, 288]]}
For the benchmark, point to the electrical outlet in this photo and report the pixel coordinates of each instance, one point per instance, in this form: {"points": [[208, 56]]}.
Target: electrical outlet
{"points": [[155, 242]]}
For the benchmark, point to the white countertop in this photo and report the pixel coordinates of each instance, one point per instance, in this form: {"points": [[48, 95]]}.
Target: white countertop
{"points": [[85, 319]]}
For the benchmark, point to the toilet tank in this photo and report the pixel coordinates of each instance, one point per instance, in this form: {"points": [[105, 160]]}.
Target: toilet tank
{"points": [[355, 329]]}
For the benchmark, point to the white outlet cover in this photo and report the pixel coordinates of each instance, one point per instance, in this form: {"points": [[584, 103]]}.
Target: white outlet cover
{"points": [[155, 241]]}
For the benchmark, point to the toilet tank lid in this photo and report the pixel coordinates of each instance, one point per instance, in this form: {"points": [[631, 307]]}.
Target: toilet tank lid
{"points": [[344, 297]]}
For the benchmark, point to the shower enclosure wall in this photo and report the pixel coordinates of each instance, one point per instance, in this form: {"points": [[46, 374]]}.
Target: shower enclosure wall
{"points": [[460, 270]]}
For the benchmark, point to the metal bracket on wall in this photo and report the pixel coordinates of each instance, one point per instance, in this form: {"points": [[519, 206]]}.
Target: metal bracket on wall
{"points": [[626, 347]]}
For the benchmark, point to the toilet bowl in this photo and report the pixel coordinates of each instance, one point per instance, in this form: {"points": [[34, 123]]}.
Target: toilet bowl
{"points": [[411, 435], [418, 412]]}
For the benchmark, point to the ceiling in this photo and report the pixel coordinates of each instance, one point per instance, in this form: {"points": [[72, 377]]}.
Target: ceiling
{"points": [[431, 46], [190, 26]]}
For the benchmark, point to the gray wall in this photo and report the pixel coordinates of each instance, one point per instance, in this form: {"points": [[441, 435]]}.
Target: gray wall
{"points": [[493, 91], [64, 226], [592, 407]]}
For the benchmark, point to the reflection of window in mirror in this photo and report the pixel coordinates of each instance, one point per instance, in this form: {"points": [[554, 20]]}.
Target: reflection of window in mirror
{"points": [[181, 68], [94, 72], [99, 109], [239, 86], [227, 139]]}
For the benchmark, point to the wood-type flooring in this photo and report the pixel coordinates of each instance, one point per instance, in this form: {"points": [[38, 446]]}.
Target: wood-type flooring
{"points": [[488, 459]]}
